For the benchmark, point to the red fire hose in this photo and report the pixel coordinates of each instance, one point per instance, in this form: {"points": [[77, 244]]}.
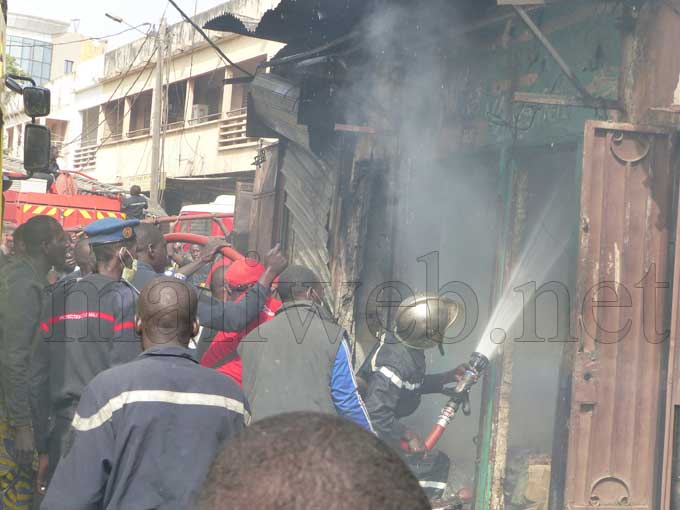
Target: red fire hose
{"points": [[184, 237], [447, 414]]}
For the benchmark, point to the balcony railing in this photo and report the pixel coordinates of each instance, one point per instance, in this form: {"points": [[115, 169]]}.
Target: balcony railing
{"points": [[233, 130], [85, 158]]}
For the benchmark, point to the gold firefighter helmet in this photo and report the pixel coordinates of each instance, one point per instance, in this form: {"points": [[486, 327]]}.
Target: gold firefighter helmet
{"points": [[423, 319]]}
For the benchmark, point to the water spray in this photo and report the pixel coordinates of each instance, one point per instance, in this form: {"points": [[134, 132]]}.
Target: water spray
{"points": [[459, 397]]}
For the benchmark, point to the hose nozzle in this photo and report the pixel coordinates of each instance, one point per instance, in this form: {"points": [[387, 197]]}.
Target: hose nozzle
{"points": [[478, 362]]}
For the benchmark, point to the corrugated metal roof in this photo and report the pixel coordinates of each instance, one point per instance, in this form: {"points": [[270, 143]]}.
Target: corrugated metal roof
{"points": [[310, 187]]}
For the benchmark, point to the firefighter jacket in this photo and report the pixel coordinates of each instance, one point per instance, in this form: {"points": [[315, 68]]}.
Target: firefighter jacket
{"points": [[146, 433], [300, 361], [396, 380], [21, 289], [87, 326]]}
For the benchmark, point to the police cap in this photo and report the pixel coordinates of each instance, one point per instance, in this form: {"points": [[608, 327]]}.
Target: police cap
{"points": [[110, 230]]}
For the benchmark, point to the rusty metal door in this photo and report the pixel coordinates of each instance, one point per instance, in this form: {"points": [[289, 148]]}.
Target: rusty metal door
{"points": [[616, 424]]}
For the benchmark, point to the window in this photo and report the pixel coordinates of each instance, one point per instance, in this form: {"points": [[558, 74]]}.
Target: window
{"points": [[208, 96], [33, 56], [113, 119], [88, 135], [177, 93], [140, 113], [68, 66]]}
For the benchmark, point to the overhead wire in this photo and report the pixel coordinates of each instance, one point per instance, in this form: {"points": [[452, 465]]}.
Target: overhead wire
{"points": [[209, 40], [49, 45], [120, 82], [132, 103], [186, 104]]}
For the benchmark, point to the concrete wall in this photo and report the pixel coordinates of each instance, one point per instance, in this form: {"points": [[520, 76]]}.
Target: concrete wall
{"points": [[65, 48]]}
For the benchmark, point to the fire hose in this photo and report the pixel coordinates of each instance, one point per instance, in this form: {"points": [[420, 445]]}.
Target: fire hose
{"points": [[184, 237], [459, 398]]}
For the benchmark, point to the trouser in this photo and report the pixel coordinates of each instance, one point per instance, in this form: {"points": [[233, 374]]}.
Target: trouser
{"points": [[58, 443], [432, 471], [16, 482]]}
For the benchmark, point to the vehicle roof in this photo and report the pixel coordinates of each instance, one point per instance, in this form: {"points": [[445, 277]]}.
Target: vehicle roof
{"points": [[222, 204]]}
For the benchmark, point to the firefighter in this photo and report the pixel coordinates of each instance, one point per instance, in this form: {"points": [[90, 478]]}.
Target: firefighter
{"points": [[134, 205], [145, 433], [87, 327], [152, 258], [22, 283], [230, 282], [395, 377], [301, 359]]}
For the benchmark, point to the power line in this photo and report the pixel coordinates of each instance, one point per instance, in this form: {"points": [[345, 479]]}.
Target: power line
{"points": [[49, 45], [125, 75], [209, 40], [132, 104]]}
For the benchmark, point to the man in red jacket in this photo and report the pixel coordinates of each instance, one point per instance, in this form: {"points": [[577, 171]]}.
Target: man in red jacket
{"points": [[230, 282]]}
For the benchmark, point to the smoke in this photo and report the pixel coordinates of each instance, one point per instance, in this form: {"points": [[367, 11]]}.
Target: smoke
{"points": [[419, 87]]}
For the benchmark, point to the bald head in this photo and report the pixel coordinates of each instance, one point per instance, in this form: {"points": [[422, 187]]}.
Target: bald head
{"points": [[167, 312]]}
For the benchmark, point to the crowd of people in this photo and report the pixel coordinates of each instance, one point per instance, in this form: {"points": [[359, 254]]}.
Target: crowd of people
{"points": [[139, 392]]}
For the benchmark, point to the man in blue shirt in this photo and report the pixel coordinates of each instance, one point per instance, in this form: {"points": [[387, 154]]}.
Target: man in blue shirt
{"points": [[145, 433]]}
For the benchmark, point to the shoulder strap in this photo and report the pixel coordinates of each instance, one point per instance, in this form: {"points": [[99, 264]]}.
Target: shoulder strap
{"points": [[225, 359]]}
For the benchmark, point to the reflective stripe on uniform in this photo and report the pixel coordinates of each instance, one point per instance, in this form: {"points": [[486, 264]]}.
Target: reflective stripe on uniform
{"points": [[89, 314], [396, 380], [426, 484], [105, 413]]}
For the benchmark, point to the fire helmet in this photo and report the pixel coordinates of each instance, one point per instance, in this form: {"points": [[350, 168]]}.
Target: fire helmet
{"points": [[422, 320]]}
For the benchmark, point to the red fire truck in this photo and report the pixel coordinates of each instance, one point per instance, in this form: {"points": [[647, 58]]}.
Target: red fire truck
{"points": [[91, 201]]}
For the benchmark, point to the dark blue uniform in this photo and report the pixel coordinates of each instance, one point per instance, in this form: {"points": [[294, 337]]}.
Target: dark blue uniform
{"points": [[87, 327], [145, 434], [396, 381]]}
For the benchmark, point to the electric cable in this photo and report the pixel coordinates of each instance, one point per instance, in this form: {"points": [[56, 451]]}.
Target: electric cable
{"points": [[120, 82], [132, 104], [86, 39], [210, 41]]}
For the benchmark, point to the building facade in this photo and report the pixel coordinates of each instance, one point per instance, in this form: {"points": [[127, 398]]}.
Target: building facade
{"points": [[46, 49], [102, 113]]}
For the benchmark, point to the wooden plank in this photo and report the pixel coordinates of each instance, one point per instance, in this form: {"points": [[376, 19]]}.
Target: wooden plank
{"points": [[558, 100]]}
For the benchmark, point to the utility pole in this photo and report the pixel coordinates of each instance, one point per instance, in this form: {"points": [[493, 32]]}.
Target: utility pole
{"points": [[157, 116]]}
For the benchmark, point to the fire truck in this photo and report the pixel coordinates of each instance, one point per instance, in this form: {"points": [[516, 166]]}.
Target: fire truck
{"points": [[87, 200]]}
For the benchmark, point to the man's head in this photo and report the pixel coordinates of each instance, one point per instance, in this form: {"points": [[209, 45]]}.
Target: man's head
{"points": [[167, 313], [195, 252], [152, 247], [228, 282], [309, 461], [18, 238], [112, 240], [8, 239], [135, 190], [297, 283], [84, 256], [44, 239]]}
